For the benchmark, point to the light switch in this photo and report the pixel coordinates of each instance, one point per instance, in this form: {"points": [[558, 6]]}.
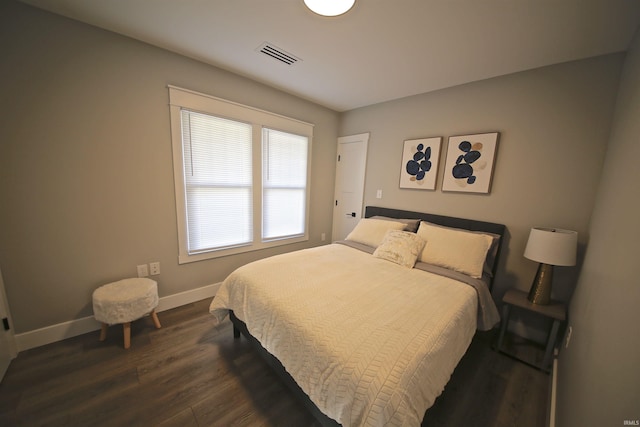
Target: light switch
{"points": [[143, 270]]}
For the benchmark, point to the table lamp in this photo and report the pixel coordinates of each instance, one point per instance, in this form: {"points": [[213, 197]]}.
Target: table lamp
{"points": [[549, 247]]}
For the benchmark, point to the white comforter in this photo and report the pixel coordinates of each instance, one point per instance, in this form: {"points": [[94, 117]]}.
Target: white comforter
{"points": [[370, 342]]}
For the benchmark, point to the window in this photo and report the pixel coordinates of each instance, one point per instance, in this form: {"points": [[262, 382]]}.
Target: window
{"points": [[284, 184], [217, 181], [241, 176]]}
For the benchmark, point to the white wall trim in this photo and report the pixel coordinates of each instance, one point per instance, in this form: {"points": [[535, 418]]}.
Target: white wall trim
{"points": [[554, 390], [61, 331]]}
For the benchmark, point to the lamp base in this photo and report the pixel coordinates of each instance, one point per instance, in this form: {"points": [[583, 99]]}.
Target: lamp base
{"points": [[540, 292]]}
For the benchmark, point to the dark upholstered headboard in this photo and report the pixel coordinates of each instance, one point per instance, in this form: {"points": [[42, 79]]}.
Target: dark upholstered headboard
{"points": [[447, 221]]}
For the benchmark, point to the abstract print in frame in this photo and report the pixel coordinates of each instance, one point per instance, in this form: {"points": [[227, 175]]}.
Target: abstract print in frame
{"points": [[420, 163], [469, 163]]}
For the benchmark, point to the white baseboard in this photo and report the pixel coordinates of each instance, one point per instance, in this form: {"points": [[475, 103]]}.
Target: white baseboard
{"points": [[61, 331], [554, 390]]}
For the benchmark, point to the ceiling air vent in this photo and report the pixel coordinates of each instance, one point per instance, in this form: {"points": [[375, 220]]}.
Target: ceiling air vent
{"points": [[277, 53]]}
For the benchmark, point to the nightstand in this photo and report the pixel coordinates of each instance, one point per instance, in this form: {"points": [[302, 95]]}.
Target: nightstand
{"points": [[556, 311]]}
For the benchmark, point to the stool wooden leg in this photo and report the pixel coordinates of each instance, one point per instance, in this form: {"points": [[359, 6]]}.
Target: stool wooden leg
{"points": [[127, 334], [103, 332], [156, 321]]}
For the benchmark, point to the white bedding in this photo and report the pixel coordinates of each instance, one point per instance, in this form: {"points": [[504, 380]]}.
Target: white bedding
{"points": [[372, 343]]}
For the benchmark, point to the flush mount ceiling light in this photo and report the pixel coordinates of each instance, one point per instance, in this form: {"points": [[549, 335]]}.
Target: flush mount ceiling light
{"points": [[329, 7]]}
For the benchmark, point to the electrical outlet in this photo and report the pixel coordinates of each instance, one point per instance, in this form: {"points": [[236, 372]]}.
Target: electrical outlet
{"points": [[143, 270], [154, 268], [568, 338], [323, 237], [379, 194]]}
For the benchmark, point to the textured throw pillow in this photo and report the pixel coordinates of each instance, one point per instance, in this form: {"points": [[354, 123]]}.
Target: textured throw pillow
{"points": [[401, 247], [454, 249], [371, 231]]}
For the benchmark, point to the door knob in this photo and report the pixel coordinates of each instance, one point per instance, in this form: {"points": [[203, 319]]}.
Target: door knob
{"points": [[353, 214]]}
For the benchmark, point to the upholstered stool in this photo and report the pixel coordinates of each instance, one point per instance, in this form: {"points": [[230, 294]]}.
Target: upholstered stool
{"points": [[123, 302]]}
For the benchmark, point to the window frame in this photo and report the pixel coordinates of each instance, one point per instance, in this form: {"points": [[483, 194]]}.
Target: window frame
{"points": [[179, 99]]}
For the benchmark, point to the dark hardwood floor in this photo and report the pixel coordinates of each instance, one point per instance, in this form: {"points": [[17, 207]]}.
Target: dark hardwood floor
{"points": [[192, 373]]}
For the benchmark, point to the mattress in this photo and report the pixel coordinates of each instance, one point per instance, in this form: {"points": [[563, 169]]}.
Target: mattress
{"points": [[370, 342]]}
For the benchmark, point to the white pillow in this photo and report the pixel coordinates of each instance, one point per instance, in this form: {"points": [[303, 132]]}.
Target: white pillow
{"points": [[371, 231], [400, 247], [492, 253], [454, 249], [409, 224]]}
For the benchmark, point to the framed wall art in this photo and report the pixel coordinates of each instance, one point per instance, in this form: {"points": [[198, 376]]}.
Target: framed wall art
{"points": [[469, 163], [420, 163]]}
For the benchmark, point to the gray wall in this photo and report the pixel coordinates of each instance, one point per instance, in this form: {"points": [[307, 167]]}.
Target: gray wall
{"points": [[86, 178], [599, 373], [553, 124]]}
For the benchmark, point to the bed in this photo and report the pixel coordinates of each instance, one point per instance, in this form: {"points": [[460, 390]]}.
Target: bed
{"points": [[368, 330]]}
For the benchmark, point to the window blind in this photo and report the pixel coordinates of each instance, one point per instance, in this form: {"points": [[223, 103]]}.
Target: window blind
{"points": [[218, 181], [284, 183]]}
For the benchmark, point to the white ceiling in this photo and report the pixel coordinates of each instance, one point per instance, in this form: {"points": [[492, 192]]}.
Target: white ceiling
{"points": [[380, 50]]}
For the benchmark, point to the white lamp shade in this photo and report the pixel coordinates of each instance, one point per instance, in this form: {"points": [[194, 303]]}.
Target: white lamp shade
{"points": [[330, 7], [552, 246]]}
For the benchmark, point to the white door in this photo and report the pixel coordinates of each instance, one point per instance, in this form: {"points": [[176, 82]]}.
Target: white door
{"points": [[7, 340], [349, 192]]}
